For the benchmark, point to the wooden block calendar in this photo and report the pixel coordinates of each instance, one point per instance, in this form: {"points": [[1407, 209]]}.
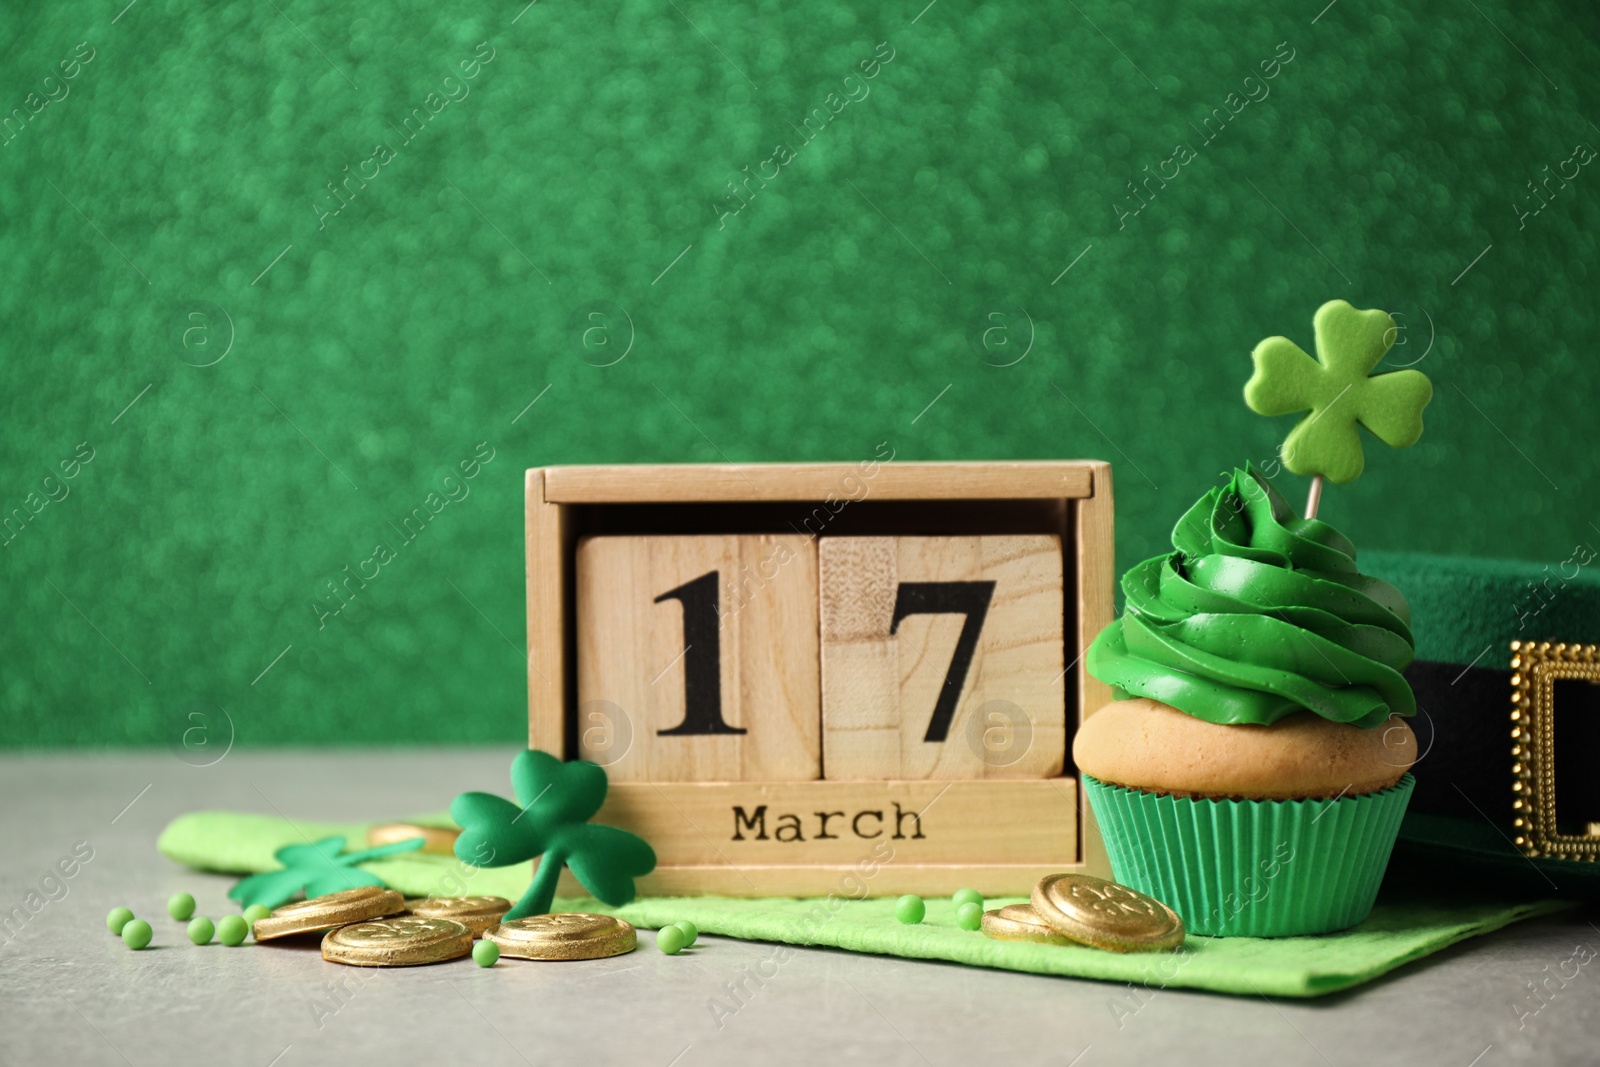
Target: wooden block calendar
{"points": [[825, 678]]}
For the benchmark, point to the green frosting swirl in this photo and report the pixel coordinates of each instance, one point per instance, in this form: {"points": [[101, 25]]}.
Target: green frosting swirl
{"points": [[1258, 614]]}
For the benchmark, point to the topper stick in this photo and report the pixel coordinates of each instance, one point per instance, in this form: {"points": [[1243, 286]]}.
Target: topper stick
{"points": [[1314, 497]]}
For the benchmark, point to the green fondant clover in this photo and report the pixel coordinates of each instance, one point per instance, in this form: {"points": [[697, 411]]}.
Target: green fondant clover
{"points": [[1336, 389], [319, 868], [551, 821]]}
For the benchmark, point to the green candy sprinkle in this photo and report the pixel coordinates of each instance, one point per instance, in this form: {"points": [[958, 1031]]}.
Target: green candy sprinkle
{"points": [[116, 919], [485, 953], [968, 896], [256, 911], [910, 909], [691, 932], [180, 906], [232, 930], [201, 930], [136, 933], [671, 940], [969, 916]]}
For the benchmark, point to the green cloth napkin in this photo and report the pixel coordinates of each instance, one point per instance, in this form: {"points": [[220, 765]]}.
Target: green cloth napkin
{"points": [[1406, 924]]}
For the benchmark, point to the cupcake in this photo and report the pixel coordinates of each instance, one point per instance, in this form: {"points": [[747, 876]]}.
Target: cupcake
{"points": [[1253, 772]]}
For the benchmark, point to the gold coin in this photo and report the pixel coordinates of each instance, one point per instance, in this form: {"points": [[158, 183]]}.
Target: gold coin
{"points": [[336, 909], [564, 936], [480, 914], [439, 841], [1019, 922], [402, 942], [1102, 914]]}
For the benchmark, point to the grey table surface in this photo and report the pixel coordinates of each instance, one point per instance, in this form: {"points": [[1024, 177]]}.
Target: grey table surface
{"points": [[71, 993]]}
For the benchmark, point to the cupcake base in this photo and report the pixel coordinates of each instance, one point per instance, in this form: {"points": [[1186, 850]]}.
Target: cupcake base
{"points": [[1252, 868]]}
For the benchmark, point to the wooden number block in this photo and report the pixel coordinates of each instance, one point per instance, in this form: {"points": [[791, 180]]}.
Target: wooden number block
{"points": [[697, 657], [943, 657]]}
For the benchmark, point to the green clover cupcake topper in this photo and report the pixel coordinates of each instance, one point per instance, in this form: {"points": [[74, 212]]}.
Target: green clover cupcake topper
{"points": [[1338, 392], [551, 821]]}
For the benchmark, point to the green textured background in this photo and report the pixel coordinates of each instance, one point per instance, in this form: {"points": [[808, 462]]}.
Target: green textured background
{"points": [[366, 357]]}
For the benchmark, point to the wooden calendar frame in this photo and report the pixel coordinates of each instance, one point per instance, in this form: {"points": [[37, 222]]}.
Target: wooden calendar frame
{"points": [[1071, 498]]}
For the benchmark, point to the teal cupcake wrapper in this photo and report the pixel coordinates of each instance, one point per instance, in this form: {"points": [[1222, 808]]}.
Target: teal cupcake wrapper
{"points": [[1252, 868]]}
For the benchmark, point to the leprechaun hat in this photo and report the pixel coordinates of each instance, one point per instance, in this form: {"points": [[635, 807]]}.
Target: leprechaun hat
{"points": [[1465, 614]]}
